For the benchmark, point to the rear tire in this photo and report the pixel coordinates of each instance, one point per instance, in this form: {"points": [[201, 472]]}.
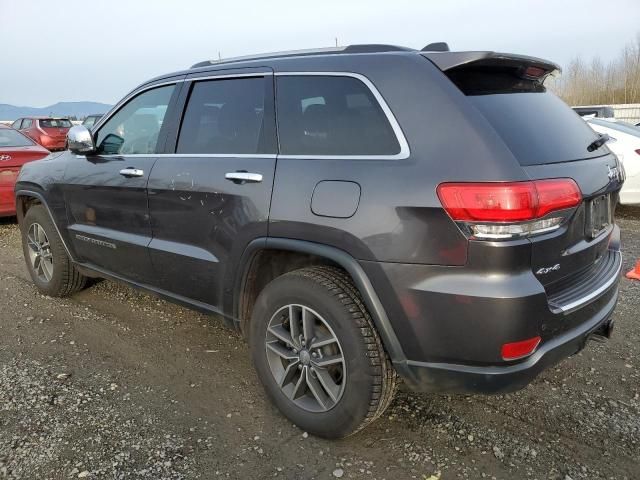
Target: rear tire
{"points": [[47, 260], [333, 390]]}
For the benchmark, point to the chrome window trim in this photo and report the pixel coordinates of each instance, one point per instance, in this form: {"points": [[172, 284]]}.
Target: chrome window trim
{"points": [[192, 155], [193, 78], [107, 116], [404, 152], [186, 78]]}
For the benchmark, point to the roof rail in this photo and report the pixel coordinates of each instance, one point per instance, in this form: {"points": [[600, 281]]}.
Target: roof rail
{"points": [[365, 48]]}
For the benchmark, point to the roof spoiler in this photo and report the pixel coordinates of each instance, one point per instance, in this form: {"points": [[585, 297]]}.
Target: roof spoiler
{"points": [[449, 60]]}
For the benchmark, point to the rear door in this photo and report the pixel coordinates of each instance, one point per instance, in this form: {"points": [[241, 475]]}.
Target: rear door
{"points": [[209, 195], [106, 192]]}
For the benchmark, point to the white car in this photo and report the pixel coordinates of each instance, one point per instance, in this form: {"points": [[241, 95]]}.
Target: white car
{"points": [[625, 143]]}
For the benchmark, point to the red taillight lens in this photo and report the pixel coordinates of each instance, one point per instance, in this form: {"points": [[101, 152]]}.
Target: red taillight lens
{"points": [[556, 194], [534, 72], [507, 202], [521, 349]]}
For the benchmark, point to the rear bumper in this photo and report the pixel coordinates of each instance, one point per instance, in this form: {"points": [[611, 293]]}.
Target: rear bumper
{"points": [[53, 144], [453, 321], [434, 377]]}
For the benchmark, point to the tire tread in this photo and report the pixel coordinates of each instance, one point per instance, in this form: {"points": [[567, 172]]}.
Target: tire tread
{"points": [[386, 380]]}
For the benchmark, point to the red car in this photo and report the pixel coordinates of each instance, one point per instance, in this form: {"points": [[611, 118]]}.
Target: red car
{"points": [[15, 150], [49, 132]]}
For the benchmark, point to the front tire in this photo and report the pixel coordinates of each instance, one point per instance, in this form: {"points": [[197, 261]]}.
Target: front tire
{"points": [[47, 260], [318, 354]]}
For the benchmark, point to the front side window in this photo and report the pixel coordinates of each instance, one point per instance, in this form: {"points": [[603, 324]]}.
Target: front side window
{"points": [[224, 117], [134, 129], [16, 124], [26, 123], [331, 115]]}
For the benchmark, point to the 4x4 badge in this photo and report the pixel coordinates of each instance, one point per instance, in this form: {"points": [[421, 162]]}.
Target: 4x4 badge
{"points": [[544, 270], [5, 158]]}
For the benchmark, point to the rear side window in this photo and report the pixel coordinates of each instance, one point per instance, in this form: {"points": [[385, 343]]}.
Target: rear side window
{"points": [[11, 138], [331, 115], [224, 117], [55, 123], [536, 126]]}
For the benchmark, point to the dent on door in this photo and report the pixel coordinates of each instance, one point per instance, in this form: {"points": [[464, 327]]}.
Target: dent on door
{"points": [[108, 214]]}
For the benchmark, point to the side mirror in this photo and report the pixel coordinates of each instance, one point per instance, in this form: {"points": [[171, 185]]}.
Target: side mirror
{"points": [[80, 140], [111, 145]]}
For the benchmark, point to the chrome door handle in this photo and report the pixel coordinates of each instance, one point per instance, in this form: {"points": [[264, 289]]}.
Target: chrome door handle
{"points": [[131, 172], [243, 177]]}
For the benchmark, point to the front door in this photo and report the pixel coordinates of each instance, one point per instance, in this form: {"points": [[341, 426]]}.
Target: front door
{"points": [[106, 192], [211, 196]]}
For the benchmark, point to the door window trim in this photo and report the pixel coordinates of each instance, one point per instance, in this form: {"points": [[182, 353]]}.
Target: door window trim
{"points": [[183, 103], [122, 103], [116, 108], [404, 152]]}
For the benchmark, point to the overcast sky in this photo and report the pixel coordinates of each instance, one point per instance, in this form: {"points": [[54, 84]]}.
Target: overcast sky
{"points": [[71, 50]]}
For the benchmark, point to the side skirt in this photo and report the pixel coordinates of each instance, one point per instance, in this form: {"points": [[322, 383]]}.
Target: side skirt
{"points": [[93, 271]]}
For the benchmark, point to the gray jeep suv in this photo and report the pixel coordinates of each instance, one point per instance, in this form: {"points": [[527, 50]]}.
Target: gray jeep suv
{"points": [[360, 214]]}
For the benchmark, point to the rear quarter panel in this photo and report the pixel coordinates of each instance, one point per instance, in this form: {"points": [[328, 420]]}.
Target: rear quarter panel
{"points": [[399, 217]]}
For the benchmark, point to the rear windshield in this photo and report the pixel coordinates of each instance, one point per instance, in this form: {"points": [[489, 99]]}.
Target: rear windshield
{"points": [[623, 127], [55, 123], [535, 125], [11, 138]]}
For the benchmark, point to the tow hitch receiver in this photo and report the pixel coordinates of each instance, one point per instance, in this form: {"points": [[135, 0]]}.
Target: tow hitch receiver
{"points": [[603, 332]]}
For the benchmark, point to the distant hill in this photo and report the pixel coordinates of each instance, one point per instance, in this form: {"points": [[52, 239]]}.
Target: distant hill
{"points": [[60, 109]]}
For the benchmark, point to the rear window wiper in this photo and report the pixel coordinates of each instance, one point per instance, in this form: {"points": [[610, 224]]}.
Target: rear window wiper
{"points": [[600, 141]]}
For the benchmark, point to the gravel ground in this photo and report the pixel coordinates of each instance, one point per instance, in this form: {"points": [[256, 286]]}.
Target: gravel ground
{"points": [[112, 383]]}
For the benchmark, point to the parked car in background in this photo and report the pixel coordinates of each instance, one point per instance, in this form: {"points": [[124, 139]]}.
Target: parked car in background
{"points": [[440, 216], [16, 149], [595, 110], [49, 132], [91, 120], [624, 141]]}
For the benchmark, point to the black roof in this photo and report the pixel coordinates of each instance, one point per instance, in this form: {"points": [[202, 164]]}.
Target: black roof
{"points": [[438, 53]]}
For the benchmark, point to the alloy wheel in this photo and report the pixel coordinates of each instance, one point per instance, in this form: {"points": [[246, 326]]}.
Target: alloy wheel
{"points": [[305, 358], [40, 253]]}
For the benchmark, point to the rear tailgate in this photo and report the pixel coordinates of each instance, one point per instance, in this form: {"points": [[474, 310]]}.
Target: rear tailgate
{"points": [[549, 140]]}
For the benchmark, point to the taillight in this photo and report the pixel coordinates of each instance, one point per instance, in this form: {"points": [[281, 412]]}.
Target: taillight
{"points": [[521, 349], [509, 209], [534, 72], [8, 175]]}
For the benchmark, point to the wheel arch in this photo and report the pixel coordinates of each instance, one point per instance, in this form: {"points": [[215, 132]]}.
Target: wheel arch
{"points": [[25, 199], [245, 293]]}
